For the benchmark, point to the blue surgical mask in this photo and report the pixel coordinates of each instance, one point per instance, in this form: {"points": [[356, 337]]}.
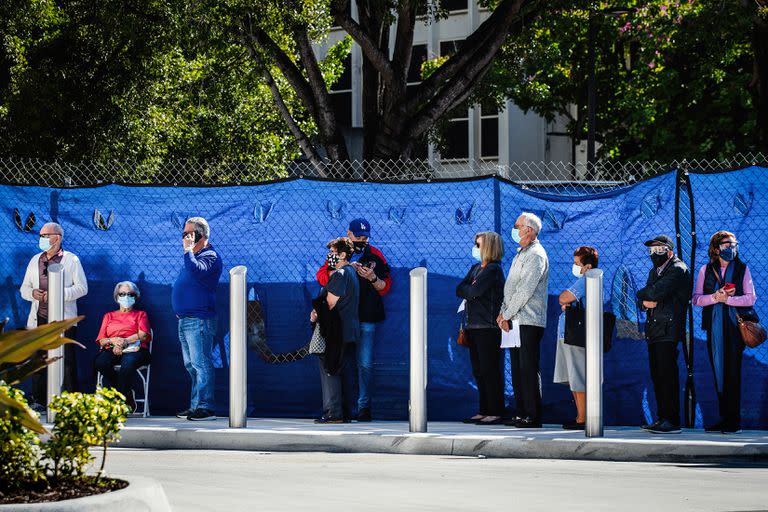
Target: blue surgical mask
{"points": [[728, 253], [44, 244], [126, 302], [476, 253], [516, 235]]}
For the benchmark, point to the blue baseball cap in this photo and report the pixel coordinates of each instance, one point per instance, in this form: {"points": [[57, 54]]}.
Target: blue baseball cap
{"points": [[360, 227]]}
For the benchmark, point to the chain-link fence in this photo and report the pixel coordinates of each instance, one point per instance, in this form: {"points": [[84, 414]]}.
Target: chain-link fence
{"points": [[422, 214], [555, 177]]}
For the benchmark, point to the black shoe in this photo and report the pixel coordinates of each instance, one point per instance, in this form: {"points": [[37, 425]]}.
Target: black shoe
{"points": [[201, 415], [527, 422], [471, 420], [183, 414], [650, 426], [665, 427], [716, 428], [322, 420], [364, 415], [731, 429], [497, 421], [512, 422], [574, 425]]}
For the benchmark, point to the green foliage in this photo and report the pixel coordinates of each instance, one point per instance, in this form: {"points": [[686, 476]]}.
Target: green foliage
{"points": [[19, 358], [19, 446], [81, 421], [671, 75]]}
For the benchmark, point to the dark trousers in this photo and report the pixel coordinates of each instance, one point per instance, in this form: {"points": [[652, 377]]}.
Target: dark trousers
{"points": [[729, 398], [69, 383], [526, 372], [485, 355], [339, 391], [122, 379], [662, 359]]}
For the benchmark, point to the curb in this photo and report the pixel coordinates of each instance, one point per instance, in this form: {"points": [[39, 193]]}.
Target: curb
{"points": [[606, 449], [142, 495]]}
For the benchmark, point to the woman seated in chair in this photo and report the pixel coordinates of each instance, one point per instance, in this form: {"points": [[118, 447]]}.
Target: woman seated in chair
{"points": [[124, 339]]}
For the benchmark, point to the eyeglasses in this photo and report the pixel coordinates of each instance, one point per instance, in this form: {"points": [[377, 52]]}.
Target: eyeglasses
{"points": [[123, 294], [48, 235], [658, 249], [187, 233], [725, 245]]}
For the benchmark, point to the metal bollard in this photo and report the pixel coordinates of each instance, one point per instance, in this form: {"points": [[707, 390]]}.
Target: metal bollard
{"points": [[55, 313], [238, 361], [418, 392], [594, 321]]}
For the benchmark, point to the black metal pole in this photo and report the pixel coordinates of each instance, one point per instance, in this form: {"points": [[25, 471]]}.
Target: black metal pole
{"points": [[591, 94]]}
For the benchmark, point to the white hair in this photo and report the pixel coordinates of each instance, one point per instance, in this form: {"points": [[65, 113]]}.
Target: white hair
{"points": [[129, 284], [56, 228], [201, 227], [533, 221]]}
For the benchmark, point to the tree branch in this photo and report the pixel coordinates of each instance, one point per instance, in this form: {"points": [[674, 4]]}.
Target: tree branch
{"points": [[370, 48], [487, 39], [406, 21], [302, 139], [284, 63], [326, 117]]}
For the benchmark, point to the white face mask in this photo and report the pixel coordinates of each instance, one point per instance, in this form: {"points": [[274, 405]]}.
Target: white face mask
{"points": [[476, 253], [576, 270]]}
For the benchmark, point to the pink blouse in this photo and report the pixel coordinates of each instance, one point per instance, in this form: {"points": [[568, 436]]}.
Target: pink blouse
{"points": [[743, 301]]}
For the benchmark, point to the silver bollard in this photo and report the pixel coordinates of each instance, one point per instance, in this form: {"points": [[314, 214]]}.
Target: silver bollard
{"points": [[417, 405], [594, 321], [238, 361], [55, 313]]}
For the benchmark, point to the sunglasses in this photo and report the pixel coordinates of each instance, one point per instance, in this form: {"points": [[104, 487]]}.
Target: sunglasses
{"points": [[123, 294], [48, 235], [658, 249], [725, 245]]}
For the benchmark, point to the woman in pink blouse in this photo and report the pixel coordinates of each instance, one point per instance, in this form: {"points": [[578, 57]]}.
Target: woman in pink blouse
{"points": [[724, 289]]}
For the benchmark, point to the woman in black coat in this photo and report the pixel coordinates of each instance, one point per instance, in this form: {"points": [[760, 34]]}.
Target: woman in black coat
{"points": [[483, 291]]}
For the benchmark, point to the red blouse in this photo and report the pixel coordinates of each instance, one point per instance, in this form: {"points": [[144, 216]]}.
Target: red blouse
{"points": [[118, 324]]}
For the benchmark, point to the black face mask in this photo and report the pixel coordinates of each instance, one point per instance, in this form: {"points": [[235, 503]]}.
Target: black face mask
{"points": [[659, 259], [360, 247]]}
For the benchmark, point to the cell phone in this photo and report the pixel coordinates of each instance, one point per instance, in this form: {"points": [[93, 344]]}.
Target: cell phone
{"points": [[729, 286]]}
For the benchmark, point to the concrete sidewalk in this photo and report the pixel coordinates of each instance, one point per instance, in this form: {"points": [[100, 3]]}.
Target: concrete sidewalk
{"points": [[628, 444]]}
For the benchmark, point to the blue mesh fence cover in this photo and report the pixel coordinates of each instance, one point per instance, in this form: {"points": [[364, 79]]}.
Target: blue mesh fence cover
{"points": [[279, 231]]}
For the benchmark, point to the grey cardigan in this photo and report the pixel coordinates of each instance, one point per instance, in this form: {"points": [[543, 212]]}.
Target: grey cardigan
{"points": [[525, 291]]}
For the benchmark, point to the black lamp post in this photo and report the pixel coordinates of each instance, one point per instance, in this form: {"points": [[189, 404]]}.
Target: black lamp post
{"points": [[591, 85]]}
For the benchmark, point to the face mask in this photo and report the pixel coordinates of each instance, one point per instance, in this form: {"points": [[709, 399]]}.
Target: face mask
{"points": [[659, 259], [516, 236], [576, 270], [360, 246], [44, 244], [476, 253], [126, 302], [728, 253], [333, 260]]}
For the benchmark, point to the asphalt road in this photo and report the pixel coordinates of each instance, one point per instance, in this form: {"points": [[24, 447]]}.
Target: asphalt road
{"points": [[238, 481]]}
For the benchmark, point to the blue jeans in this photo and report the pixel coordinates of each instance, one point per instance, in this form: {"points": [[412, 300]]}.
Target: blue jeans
{"points": [[365, 364], [196, 338]]}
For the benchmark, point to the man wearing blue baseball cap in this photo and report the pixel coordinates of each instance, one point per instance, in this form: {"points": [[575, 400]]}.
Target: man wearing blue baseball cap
{"points": [[375, 282]]}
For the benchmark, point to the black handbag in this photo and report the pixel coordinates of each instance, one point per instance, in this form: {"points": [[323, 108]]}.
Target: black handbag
{"points": [[576, 327]]}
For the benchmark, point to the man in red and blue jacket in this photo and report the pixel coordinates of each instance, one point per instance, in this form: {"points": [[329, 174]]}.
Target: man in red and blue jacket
{"points": [[375, 282]]}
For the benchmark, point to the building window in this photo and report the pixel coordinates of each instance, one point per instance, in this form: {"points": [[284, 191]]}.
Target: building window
{"points": [[489, 131], [341, 95], [456, 140], [418, 57], [454, 5]]}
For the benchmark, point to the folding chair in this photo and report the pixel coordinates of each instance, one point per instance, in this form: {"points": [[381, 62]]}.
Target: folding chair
{"points": [[143, 372]]}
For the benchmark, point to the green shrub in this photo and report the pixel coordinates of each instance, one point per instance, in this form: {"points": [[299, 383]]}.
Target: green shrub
{"points": [[19, 446], [81, 421]]}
